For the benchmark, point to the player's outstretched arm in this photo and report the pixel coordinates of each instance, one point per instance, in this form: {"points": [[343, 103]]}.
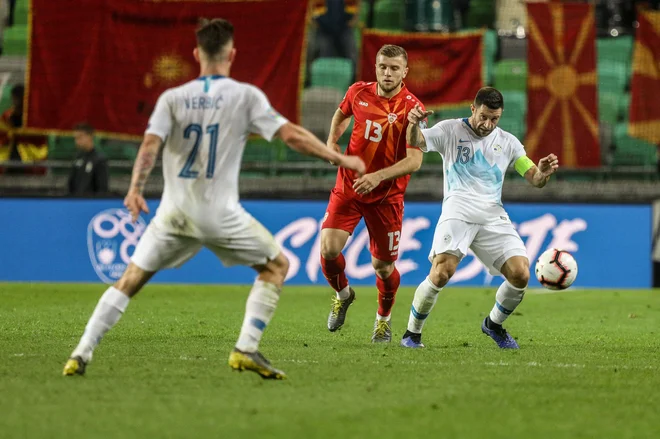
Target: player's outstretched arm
{"points": [[539, 175], [337, 128], [411, 163], [301, 140], [414, 134], [144, 163]]}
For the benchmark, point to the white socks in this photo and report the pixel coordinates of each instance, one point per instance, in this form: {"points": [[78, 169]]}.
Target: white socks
{"points": [[507, 299], [423, 302], [344, 293], [259, 309], [111, 306]]}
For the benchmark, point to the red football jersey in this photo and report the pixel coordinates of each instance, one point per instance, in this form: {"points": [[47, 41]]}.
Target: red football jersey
{"points": [[379, 138]]}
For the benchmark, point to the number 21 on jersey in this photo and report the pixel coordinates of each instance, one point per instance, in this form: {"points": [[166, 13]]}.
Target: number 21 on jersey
{"points": [[196, 129]]}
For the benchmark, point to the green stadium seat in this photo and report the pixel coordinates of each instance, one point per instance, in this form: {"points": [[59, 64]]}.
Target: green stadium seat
{"points": [[608, 107], [452, 113], [481, 13], [260, 150], [115, 150], [630, 150], [617, 49], [613, 76], [489, 53], [21, 12], [15, 40], [515, 110], [335, 73], [389, 14], [429, 15], [624, 107], [511, 74], [5, 98], [62, 148], [319, 105]]}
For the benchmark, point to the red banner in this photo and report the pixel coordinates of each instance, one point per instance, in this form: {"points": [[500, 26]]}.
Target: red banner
{"points": [[645, 89], [444, 70], [562, 113], [107, 61]]}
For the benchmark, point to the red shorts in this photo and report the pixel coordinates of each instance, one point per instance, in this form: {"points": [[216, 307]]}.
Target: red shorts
{"points": [[383, 222]]}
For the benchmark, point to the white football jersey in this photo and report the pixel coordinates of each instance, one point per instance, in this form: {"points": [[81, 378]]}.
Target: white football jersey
{"points": [[205, 124], [474, 169]]}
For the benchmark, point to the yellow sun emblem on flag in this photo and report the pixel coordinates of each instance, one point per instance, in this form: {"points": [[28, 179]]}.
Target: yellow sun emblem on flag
{"points": [[168, 69], [423, 72], [562, 82]]}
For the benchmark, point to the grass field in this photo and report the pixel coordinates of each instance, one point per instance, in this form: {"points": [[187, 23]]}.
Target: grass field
{"points": [[588, 367]]}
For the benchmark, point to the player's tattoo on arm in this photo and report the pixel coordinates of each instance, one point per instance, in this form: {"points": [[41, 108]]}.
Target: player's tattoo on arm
{"points": [[144, 163], [414, 136]]}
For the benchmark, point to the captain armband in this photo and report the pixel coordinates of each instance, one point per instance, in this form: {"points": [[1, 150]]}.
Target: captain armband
{"points": [[523, 164]]}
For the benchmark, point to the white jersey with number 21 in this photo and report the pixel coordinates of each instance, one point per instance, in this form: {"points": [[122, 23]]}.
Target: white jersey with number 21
{"points": [[204, 124]]}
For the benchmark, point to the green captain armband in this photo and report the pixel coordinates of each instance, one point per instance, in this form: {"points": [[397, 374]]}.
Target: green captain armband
{"points": [[523, 164]]}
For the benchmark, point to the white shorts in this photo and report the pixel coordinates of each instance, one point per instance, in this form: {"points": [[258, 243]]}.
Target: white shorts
{"points": [[492, 245], [252, 245]]}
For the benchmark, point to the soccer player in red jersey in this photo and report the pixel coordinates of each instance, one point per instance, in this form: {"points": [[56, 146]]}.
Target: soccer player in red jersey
{"points": [[380, 110]]}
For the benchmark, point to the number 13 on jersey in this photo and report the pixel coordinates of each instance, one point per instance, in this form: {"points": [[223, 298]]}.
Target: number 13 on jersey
{"points": [[377, 134]]}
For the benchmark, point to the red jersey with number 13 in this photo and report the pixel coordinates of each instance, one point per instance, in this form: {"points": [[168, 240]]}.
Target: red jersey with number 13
{"points": [[378, 138]]}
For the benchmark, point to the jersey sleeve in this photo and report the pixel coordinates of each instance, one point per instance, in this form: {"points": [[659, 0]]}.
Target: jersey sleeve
{"points": [[517, 149], [346, 105], [437, 136], [160, 122], [264, 120]]}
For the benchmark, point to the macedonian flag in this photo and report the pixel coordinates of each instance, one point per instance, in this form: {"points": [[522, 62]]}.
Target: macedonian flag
{"points": [[644, 109], [562, 115]]}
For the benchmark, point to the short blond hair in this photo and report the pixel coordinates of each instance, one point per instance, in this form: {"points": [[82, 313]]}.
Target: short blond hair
{"points": [[392, 51]]}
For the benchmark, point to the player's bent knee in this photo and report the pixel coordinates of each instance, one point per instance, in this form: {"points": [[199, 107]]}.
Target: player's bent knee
{"points": [[444, 267], [133, 280], [384, 271], [518, 275], [274, 271], [332, 243]]}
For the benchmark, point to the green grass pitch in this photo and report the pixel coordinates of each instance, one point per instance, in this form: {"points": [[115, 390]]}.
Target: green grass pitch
{"points": [[588, 367]]}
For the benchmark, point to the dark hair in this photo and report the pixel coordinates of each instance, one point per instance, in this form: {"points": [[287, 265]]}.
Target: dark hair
{"points": [[18, 90], [392, 51], [213, 35], [85, 128], [490, 97]]}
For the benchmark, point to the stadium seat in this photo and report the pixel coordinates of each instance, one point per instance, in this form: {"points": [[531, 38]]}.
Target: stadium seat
{"points": [[259, 150], [515, 110], [511, 74], [15, 40], [389, 14], [617, 49], [489, 54], [62, 148], [318, 106], [5, 98], [608, 107], [613, 76], [429, 15], [115, 150], [21, 12], [624, 107], [630, 150], [481, 13], [453, 113], [335, 73]]}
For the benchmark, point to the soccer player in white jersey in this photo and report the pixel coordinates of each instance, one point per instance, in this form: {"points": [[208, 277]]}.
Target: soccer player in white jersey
{"points": [[203, 126], [476, 154]]}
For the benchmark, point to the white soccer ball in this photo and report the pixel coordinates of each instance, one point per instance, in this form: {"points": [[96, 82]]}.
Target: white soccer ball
{"points": [[556, 269]]}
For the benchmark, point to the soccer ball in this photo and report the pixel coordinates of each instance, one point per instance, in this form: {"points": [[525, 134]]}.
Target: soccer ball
{"points": [[556, 269]]}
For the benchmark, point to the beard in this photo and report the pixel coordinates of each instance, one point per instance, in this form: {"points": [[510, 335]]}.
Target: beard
{"points": [[388, 87]]}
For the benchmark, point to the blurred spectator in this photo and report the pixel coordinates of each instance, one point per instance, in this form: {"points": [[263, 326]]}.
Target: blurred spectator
{"points": [[89, 174], [332, 33]]}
